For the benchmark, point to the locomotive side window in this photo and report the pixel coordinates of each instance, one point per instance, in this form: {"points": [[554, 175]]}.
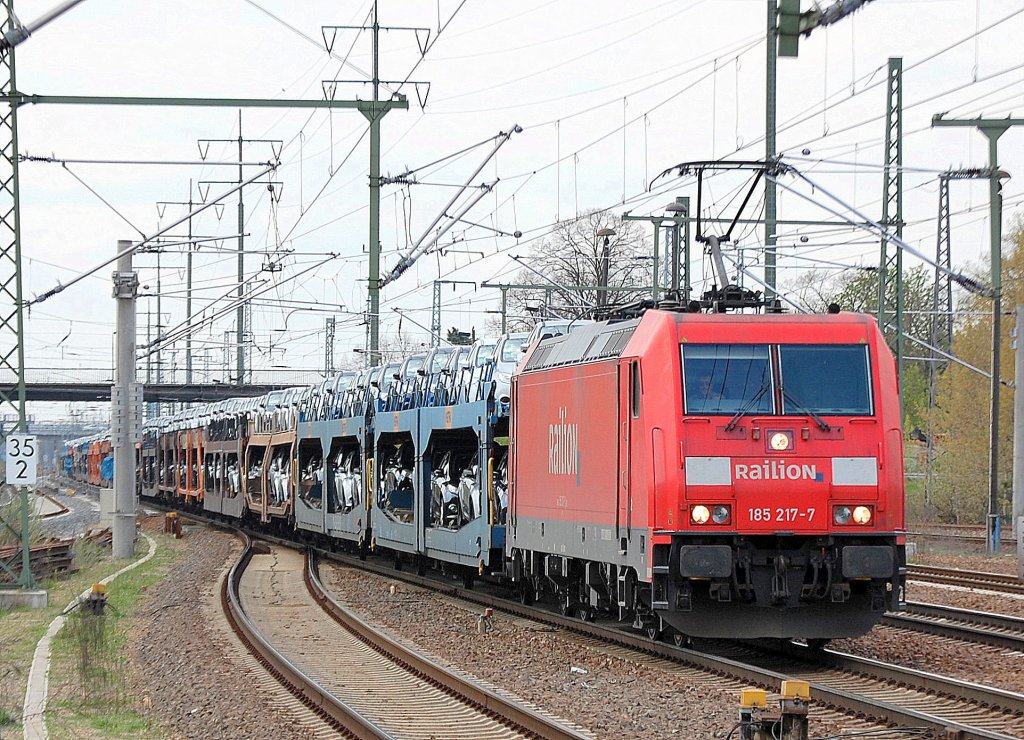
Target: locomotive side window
{"points": [[848, 390], [727, 378], [634, 377]]}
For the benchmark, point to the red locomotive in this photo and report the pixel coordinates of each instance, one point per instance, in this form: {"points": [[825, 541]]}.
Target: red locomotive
{"points": [[711, 474]]}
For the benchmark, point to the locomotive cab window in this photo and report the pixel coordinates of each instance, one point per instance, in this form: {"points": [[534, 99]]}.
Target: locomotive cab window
{"points": [[727, 378], [848, 390]]}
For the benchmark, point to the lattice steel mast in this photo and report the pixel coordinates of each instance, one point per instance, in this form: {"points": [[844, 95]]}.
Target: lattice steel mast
{"points": [[890, 268], [12, 321]]}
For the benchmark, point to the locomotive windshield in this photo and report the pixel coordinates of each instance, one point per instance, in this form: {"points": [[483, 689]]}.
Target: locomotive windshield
{"points": [[847, 390], [725, 378], [738, 379]]}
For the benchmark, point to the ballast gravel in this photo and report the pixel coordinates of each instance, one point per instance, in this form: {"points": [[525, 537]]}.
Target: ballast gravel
{"points": [[971, 662], [605, 690], [182, 670], [194, 687]]}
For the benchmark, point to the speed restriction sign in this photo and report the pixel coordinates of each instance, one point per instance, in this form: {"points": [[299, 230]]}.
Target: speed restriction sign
{"points": [[22, 459]]}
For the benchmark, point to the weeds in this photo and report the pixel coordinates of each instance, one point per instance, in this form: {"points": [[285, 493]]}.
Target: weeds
{"points": [[10, 512]]}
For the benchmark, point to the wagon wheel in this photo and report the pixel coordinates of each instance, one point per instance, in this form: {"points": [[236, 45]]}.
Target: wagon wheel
{"points": [[526, 594], [653, 629], [681, 640]]}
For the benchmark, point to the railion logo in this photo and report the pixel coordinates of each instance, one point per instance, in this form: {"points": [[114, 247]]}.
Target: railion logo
{"points": [[564, 447], [778, 470]]}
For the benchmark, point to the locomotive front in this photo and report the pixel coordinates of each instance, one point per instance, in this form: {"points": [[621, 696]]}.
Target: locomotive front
{"points": [[788, 520]]}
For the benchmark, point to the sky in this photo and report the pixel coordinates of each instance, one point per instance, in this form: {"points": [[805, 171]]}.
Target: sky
{"points": [[608, 96]]}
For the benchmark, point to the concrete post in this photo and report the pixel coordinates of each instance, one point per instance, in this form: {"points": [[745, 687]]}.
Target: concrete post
{"points": [[995, 227], [124, 395], [1020, 548], [1018, 417], [1018, 433]]}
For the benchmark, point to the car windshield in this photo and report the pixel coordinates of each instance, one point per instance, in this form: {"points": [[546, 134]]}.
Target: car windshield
{"points": [[726, 378], [485, 354], [439, 360], [510, 349], [848, 390], [412, 365], [388, 376]]}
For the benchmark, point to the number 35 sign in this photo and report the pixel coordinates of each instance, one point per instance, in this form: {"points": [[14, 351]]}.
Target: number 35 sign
{"points": [[22, 458]]}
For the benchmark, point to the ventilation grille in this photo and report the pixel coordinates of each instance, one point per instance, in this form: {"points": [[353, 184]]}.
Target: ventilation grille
{"points": [[602, 346], [539, 357]]}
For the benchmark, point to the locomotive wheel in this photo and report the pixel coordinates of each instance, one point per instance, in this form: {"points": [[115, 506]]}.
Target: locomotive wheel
{"points": [[467, 580], [398, 561]]}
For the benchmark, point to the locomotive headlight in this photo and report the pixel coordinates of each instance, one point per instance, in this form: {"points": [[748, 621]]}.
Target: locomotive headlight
{"points": [[861, 514], [841, 514], [720, 514], [700, 514]]}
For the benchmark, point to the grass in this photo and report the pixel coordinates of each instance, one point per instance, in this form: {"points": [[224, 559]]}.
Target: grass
{"points": [[11, 513], [68, 715], [89, 690], [21, 629]]}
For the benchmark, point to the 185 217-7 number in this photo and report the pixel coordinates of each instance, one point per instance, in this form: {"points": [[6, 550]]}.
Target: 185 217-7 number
{"points": [[781, 514]]}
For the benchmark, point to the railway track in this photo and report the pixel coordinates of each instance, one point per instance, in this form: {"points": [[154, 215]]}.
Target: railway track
{"points": [[1000, 582], [984, 628], [865, 689], [860, 687], [971, 709], [359, 681]]}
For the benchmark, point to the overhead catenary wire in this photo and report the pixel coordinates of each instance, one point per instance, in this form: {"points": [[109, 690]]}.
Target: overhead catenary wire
{"points": [[365, 131], [874, 227], [184, 328], [146, 239], [297, 235]]}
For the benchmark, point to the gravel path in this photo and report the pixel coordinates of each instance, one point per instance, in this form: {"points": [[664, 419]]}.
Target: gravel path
{"points": [[186, 667], [595, 686]]}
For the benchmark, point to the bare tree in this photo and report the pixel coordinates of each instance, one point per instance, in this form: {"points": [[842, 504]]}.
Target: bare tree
{"points": [[575, 255]]}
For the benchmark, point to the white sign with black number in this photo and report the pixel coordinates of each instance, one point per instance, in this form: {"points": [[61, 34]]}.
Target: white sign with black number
{"points": [[22, 459]]}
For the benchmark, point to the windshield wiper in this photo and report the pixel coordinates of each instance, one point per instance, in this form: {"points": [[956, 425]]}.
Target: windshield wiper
{"points": [[745, 408], [822, 424]]}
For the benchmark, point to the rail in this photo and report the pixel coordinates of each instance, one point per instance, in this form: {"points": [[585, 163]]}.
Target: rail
{"points": [[332, 710], [1000, 582], [512, 713], [984, 628], [825, 694]]}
